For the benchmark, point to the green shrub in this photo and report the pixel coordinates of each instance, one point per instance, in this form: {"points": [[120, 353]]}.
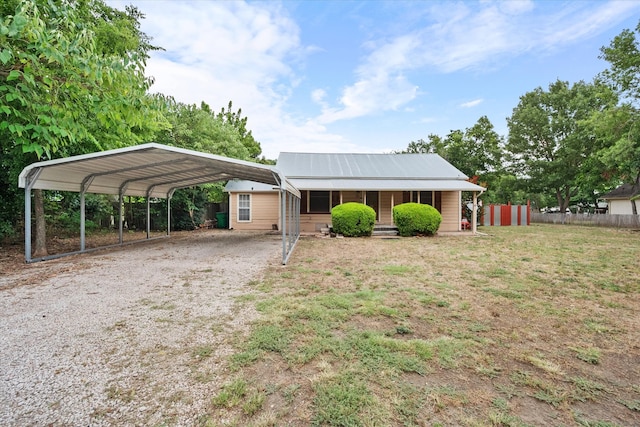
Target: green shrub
{"points": [[416, 218], [353, 219]]}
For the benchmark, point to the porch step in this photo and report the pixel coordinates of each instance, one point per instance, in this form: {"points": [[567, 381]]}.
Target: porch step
{"points": [[385, 230]]}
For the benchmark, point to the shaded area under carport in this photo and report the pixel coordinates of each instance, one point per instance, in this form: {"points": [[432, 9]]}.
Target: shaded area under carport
{"points": [[152, 171]]}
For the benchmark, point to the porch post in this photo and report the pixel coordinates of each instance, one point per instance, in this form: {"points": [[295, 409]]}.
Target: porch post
{"points": [[474, 217]]}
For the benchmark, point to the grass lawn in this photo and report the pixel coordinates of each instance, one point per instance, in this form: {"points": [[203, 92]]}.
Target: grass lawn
{"points": [[525, 326]]}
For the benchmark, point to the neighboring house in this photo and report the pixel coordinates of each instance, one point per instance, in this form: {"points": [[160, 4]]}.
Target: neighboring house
{"points": [[381, 181], [620, 199]]}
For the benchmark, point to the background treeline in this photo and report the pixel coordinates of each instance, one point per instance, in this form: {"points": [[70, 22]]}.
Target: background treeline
{"points": [[567, 143]]}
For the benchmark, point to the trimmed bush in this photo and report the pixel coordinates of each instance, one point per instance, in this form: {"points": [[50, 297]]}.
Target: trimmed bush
{"points": [[353, 219], [416, 218]]}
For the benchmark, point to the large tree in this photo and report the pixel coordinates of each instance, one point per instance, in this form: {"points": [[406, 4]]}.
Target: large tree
{"points": [[477, 151], [199, 128], [623, 123], [551, 139], [71, 81]]}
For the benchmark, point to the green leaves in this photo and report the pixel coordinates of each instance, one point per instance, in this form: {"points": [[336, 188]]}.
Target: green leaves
{"points": [[13, 75], [62, 90], [5, 56], [552, 139]]}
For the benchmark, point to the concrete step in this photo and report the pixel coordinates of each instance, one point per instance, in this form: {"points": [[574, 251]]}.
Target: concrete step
{"points": [[385, 230]]}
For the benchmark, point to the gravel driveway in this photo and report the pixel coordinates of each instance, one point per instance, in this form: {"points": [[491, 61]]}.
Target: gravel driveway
{"points": [[133, 336]]}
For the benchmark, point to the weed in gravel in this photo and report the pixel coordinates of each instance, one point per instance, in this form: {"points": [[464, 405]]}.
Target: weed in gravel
{"points": [[246, 298], [202, 352], [125, 395]]}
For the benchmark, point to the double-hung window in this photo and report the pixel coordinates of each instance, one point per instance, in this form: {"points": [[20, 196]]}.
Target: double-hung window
{"points": [[244, 207]]}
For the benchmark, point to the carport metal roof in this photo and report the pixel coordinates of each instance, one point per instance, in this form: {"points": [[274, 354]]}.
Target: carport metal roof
{"points": [[150, 170], [147, 170]]}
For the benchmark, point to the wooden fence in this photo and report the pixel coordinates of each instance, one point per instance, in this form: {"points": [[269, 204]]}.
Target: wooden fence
{"points": [[596, 220], [506, 215]]}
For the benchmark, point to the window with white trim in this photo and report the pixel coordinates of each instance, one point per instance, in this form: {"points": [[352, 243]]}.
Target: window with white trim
{"points": [[244, 207]]}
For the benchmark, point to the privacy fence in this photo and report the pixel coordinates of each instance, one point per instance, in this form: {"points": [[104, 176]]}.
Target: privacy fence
{"points": [[596, 220], [506, 215]]}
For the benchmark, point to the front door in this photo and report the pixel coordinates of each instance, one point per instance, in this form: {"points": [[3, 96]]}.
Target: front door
{"points": [[372, 201]]}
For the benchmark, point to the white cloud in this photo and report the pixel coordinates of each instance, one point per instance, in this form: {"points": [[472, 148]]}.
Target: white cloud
{"points": [[370, 95], [318, 96], [221, 51], [471, 104], [459, 36], [250, 52]]}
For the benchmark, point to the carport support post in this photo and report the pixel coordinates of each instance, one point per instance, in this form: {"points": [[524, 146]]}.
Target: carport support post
{"points": [[290, 221], [169, 197], [30, 179], [83, 190], [27, 222], [120, 217], [283, 225], [82, 220], [148, 214]]}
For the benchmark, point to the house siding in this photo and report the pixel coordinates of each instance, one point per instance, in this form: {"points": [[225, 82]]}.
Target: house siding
{"points": [[351, 196], [451, 211], [387, 198], [311, 223], [622, 207], [265, 211]]}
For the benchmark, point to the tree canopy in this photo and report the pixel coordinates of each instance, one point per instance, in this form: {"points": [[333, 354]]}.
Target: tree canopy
{"points": [[71, 81], [551, 140], [623, 123], [477, 151]]}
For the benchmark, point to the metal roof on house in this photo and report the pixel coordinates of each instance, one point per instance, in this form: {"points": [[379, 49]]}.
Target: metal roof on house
{"points": [[151, 169], [381, 172], [385, 184], [375, 166]]}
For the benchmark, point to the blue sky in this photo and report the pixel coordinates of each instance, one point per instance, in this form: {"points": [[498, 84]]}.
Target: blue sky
{"points": [[372, 76]]}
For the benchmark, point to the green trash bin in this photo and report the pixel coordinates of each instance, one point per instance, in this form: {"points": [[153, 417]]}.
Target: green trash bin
{"points": [[223, 219]]}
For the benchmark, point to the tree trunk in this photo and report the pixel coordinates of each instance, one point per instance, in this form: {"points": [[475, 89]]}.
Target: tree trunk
{"points": [[40, 249]]}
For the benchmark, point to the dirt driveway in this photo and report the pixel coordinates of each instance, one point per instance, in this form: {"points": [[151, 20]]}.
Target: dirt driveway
{"points": [[133, 336]]}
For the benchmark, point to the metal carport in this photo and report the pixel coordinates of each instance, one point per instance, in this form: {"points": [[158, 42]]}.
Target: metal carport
{"points": [[153, 171]]}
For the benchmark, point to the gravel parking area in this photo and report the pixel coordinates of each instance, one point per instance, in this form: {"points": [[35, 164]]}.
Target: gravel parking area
{"points": [[131, 336]]}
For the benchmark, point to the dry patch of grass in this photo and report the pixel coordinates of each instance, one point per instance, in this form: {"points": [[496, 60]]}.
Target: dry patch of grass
{"points": [[530, 325]]}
